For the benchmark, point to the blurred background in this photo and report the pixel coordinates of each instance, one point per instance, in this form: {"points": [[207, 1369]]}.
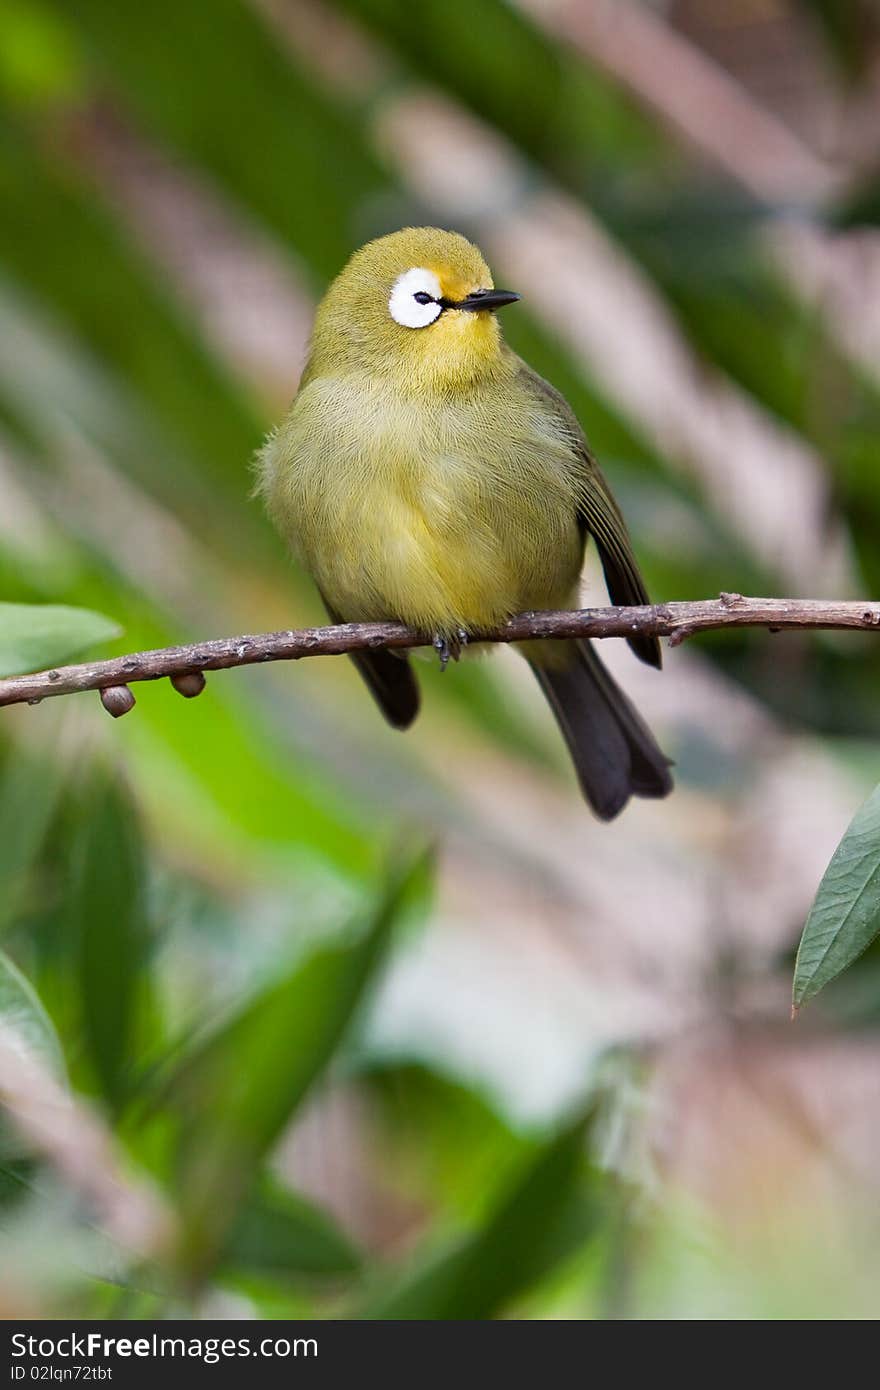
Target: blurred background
{"points": [[538, 1066]]}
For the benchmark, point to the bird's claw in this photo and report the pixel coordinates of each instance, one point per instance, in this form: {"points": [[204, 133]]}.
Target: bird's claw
{"points": [[450, 647], [441, 647]]}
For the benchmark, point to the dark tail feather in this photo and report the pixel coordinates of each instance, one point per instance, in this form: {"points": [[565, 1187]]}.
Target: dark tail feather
{"points": [[389, 678], [392, 684], [613, 750]]}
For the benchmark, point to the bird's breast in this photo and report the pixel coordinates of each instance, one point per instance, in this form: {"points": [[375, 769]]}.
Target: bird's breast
{"points": [[449, 517]]}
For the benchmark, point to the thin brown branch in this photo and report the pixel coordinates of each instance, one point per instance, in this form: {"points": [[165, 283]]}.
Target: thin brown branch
{"points": [[676, 621]]}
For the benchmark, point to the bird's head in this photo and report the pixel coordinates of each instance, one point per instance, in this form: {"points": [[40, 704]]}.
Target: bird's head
{"points": [[417, 306]]}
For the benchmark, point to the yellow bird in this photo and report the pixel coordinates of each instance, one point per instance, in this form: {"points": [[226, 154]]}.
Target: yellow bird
{"points": [[425, 473]]}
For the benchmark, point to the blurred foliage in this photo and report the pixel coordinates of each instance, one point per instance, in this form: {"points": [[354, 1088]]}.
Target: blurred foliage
{"points": [[862, 207], [851, 28], [544, 1216], [228, 1124], [196, 907]]}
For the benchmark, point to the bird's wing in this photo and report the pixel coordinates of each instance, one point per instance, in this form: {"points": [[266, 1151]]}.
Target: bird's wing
{"points": [[599, 514]]}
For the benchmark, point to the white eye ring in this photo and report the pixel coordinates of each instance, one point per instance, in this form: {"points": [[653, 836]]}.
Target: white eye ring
{"points": [[403, 305]]}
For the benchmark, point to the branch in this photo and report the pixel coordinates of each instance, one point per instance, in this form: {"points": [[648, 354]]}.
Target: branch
{"points": [[185, 666]]}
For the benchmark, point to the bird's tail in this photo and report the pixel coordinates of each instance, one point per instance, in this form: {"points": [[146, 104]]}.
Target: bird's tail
{"points": [[613, 750]]}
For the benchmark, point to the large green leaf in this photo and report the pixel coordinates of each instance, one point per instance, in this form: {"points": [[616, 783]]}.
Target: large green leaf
{"points": [[239, 1089], [107, 918], [845, 917], [543, 1217], [35, 635]]}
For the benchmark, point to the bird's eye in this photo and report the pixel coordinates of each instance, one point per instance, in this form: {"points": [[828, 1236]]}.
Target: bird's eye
{"points": [[415, 298]]}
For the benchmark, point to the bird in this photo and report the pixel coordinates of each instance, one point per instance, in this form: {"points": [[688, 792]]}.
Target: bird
{"points": [[425, 473]]}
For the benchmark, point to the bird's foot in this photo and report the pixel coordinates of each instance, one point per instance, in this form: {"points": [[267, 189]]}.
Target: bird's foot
{"points": [[444, 650], [450, 647]]}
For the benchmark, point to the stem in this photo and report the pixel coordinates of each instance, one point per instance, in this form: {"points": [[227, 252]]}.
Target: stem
{"points": [[677, 621]]}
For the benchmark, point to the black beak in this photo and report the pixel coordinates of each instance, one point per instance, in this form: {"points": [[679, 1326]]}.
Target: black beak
{"points": [[485, 299]]}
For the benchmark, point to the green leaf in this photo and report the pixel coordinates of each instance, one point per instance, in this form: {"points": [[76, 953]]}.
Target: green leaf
{"points": [[238, 1091], [21, 1010], [545, 1215], [279, 1232], [448, 1138], [109, 924], [845, 916], [34, 635], [29, 794]]}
